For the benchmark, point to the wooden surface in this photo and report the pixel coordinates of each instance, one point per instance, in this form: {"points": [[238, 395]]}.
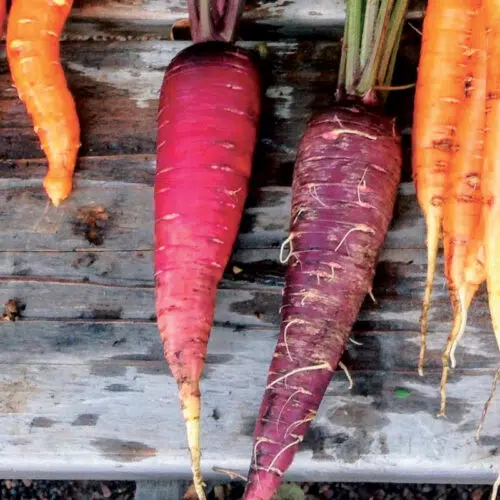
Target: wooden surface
{"points": [[84, 392], [262, 19]]}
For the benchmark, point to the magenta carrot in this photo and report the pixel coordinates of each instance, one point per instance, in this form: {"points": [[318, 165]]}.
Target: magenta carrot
{"points": [[207, 126], [347, 171]]}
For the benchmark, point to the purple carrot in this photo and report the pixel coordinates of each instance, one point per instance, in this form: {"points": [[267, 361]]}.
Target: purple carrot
{"points": [[347, 172]]}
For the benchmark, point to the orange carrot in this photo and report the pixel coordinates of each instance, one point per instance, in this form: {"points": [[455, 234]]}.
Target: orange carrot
{"points": [[445, 50], [490, 186], [33, 33], [462, 232], [3, 8]]}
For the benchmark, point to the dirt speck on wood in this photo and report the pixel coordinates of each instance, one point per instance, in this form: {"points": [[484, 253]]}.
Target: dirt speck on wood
{"points": [[12, 310], [92, 222]]}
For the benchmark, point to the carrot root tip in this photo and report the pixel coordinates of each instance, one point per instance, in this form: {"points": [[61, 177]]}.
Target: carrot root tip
{"points": [[190, 399], [57, 188]]}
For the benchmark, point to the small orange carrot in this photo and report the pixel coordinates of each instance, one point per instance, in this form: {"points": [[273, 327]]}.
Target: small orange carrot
{"points": [[462, 231], [442, 70], [491, 184], [33, 33]]}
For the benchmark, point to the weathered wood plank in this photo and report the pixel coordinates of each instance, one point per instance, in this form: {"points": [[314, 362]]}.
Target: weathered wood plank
{"points": [[66, 421], [396, 277], [116, 86], [129, 223], [249, 268], [261, 18], [238, 308], [37, 260], [117, 345]]}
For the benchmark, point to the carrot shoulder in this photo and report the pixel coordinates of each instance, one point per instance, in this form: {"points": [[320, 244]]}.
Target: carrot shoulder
{"points": [[33, 33], [440, 86]]}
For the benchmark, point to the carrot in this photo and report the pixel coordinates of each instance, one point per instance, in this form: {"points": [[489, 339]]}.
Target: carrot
{"points": [[441, 78], [207, 125], [3, 8], [462, 229], [491, 174], [346, 176], [33, 32]]}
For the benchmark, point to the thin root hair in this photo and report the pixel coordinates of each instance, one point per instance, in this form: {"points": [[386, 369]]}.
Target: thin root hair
{"points": [[310, 418], [463, 322], [414, 28], [337, 119], [332, 267], [485, 410], [453, 339], [370, 293], [289, 242], [335, 133], [362, 185], [298, 391], [347, 374], [361, 227], [323, 366], [355, 342], [314, 193], [285, 331], [257, 443], [289, 445], [231, 473], [496, 487], [44, 214], [299, 213]]}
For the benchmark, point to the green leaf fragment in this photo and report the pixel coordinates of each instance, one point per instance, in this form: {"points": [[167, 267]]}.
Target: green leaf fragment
{"points": [[401, 392]]}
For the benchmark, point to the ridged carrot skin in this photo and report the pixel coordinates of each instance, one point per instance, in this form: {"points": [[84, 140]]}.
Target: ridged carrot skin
{"points": [[33, 32], [446, 45], [207, 128], [491, 184], [463, 203], [345, 182]]}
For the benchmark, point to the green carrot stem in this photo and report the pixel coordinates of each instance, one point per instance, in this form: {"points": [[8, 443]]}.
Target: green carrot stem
{"points": [[353, 41], [368, 30]]}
